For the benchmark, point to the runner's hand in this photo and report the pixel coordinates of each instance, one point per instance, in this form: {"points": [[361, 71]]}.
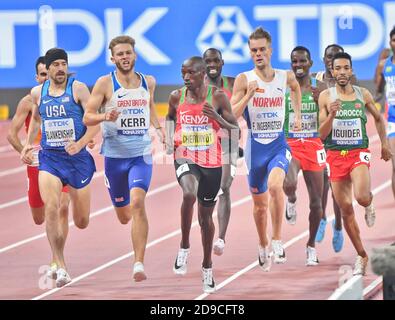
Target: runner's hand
{"points": [[27, 154], [209, 111], [334, 106], [73, 147], [297, 124], [111, 115], [161, 134], [252, 86], [91, 144], [386, 153]]}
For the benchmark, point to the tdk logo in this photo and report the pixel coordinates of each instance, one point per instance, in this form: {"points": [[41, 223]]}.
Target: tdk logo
{"points": [[226, 29]]}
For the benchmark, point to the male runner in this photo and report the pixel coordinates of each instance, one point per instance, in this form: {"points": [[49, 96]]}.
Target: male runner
{"points": [[343, 126], [63, 160], [308, 153], [259, 95], [386, 78], [129, 109], [198, 111]]}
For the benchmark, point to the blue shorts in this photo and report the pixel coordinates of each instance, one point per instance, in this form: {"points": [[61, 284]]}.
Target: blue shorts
{"points": [[76, 171], [122, 175], [260, 165]]}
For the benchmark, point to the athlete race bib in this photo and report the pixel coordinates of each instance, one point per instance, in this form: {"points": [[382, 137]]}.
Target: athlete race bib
{"points": [[390, 90], [347, 132], [133, 120], [197, 137], [391, 128], [267, 123], [309, 126], [59, 132]]}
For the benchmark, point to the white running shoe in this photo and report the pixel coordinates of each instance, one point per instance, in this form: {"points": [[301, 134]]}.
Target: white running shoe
{"points": [[51, 273], [278, 251], [138, 272], [290, 212], [360, 266], [62, 277], [312, 259], [219, 247], [180, 265], [370, 215], [208, 280], [264, 259]]}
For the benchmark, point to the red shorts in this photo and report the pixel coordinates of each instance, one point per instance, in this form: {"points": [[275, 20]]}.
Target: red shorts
{"points": [[342, 162], [309, 152], [33, 191]]}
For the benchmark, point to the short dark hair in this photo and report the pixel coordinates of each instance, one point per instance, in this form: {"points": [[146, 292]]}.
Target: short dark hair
{"points": [[259, 33], [341, 55], [197, 60], [335, 46], [213, 49], [39, 60], [392, 33], [301, 48]]}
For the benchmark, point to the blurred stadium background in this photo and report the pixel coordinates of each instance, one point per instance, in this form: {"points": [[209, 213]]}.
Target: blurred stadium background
{"points": [[167, 32]]}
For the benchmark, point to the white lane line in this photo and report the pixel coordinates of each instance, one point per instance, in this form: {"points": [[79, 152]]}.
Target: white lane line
{"points": [[128, 255], [94, 214], [372, 286], [286, 245], [12, 171]]}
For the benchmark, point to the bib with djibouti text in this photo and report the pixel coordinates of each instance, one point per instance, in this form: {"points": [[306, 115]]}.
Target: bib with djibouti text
{"points": [[349, 126]]}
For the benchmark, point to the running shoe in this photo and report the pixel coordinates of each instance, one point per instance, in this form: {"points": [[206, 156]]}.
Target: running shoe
{"points": [[264, 260], [311, 259], [219, 247], [338, 239], [62, 277], [360, 266], [290, 212], [321, 231], [278, 251], [180, 265], [208, 280], [138, 272], [51, 273], [370, 215]]}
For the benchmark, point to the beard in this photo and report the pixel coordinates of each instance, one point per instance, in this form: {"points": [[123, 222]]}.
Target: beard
{"points": [[123, 69]]}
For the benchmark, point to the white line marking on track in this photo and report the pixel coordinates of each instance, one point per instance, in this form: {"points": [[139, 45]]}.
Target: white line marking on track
{"points": [[94, 214], [128, 255], [286, 245]]}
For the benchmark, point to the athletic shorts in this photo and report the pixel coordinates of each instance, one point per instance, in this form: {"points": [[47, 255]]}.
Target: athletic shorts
{"points": [[309, 152], [261, 165], [391, 129], [33, 191], [342, 162], [209, 180], [76, 171], [123, 174]]}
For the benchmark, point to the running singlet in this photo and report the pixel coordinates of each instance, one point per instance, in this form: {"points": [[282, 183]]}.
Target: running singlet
{"points": [[310, 112], [389, 75], [196, 135], [61, 118], [349, 126], [225, 87], [266, 109], [127, 137]]}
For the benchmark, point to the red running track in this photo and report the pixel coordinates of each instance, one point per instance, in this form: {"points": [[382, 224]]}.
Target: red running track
{"points": [[100, 257]]}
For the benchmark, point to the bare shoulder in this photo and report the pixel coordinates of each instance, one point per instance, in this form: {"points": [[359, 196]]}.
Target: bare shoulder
{"points": [[35, 93], [151, 81], [241, 81], [174, 96]]}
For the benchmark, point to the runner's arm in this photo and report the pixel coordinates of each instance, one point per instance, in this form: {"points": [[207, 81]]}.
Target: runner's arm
{"points": [[379, 123], [95, 101], [22, 111], [326, 119], [296, 99], [153, 115], [241, 94], [171, 119]]}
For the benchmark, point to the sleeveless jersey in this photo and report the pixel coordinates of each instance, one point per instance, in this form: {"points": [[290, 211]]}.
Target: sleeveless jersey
{"points": [[349, 126], [127, 137], [225, 87], [389, 75], [61, 118], [309, 115], [265, 112], [196, 135]]}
